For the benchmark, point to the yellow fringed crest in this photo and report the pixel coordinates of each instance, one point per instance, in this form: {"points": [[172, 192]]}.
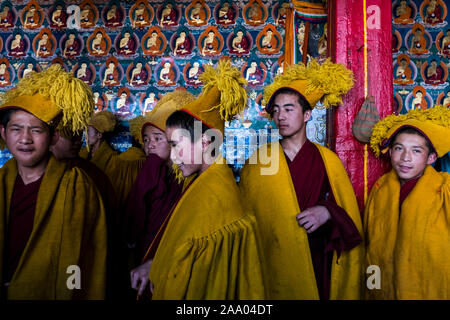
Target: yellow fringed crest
{"points": [[135, 128], [325, 82], [71, 95], [179, 96], [103, 121], [230, 83], [433, 122], [178, 173], [168, 104]]}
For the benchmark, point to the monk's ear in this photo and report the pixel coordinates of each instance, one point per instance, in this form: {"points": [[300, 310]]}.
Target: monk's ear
{"points": [[55, 137], [307, 115], [3, 132], [431, 158]]}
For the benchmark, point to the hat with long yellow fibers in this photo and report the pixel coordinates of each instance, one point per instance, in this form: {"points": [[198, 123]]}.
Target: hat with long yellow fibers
{"points": [[433, 123], [223, 95], [103, 121], [168, 104], [325, 82], [54, 96]]}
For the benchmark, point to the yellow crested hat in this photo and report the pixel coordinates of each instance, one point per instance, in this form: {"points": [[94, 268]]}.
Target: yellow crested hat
{"points": [[325, 82], [168, 104], [223, 95], [135, 128], [433, 123], [53, 96], [103, 121]]}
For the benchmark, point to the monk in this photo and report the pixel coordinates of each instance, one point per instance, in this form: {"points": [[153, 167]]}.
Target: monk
{"points": [[156, 189], [209, 246], [66, 149], [122, 169], [52, 215], [406, 215], [304, 202]]}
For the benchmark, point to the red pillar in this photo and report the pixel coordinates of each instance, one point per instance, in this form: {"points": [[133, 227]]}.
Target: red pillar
{"points": [[347, 47]]}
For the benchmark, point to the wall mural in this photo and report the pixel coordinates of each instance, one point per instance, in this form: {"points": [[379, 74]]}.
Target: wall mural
{"points": [[421, 52], [132, 52]]}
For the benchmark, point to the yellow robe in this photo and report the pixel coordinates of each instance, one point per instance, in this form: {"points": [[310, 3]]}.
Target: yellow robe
{"points": [[122, 169], [272, 199], [410, 246], [209, 248], [69, 228]]}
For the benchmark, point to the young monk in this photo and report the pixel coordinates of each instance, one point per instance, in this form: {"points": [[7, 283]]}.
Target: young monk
{"points": [[406, 219], [156, 189], [121, 168], [209, 247], [305, 206], [52, 217]]}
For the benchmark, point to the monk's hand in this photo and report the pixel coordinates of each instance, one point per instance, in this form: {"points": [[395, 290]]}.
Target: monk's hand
{"points": [[312, 218], [139, 277]]}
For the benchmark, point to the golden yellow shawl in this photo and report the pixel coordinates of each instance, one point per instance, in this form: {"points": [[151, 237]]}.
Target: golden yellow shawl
{"points": [[209, 248], [69, 229], [287, 262], [410, 246], [121, 169]]}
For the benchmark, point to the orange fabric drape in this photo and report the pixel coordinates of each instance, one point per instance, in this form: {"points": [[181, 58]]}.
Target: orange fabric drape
{"points": [[289, 41]]}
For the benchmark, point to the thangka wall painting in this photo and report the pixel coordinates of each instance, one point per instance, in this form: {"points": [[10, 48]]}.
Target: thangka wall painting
{"points": [[132, 52], [421, 52], [310, 37]]}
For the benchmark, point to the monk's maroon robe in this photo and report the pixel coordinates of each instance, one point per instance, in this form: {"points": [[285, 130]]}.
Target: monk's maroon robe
{"points": [[339, 234]]}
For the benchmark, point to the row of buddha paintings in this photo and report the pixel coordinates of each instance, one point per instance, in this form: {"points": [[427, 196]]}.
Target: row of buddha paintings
{"points": [[127, 82], [421, 53], [140, 14]]}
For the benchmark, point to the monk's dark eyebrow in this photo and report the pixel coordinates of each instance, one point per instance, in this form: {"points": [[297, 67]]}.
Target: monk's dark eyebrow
{"points": [[398, 143], [284, 105]]}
